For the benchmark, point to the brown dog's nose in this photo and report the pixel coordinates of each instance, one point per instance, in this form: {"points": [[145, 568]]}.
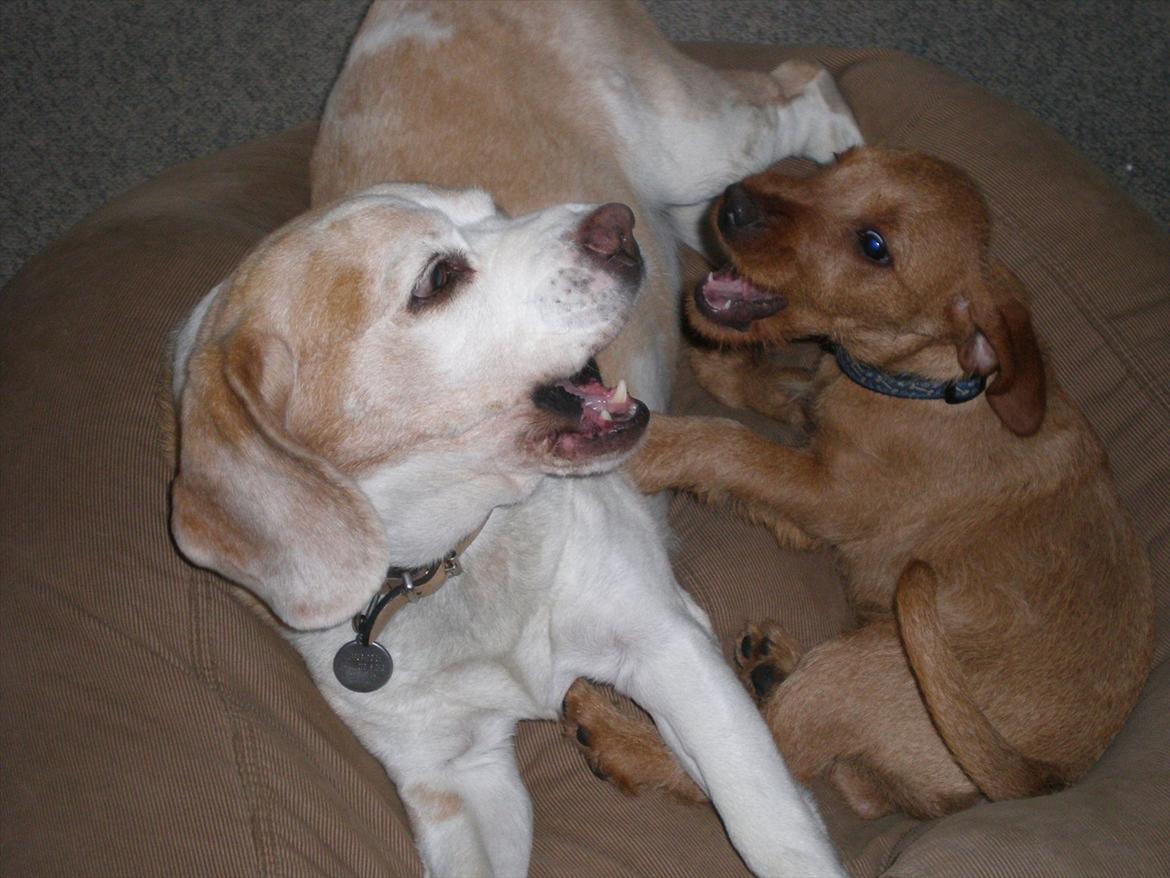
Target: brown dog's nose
{"points": [[738, 211], [607, 235]]}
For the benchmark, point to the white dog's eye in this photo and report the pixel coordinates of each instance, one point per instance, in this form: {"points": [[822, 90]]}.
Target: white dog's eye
{"points": [[442, 277]]}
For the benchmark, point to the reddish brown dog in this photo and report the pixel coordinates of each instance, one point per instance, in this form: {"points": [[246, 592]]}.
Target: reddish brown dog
{"points": [[1005, 603]]}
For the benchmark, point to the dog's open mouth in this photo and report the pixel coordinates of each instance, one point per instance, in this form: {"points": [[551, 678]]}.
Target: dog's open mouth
{"points": [[589, 418], [725, 298]]}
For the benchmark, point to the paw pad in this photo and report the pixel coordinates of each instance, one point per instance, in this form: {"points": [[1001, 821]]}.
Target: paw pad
{"points": [[765, 657], [764, 679]]}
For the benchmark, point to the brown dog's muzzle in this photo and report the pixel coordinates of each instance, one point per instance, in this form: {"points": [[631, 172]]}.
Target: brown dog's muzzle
{"points": [[725, 297]]}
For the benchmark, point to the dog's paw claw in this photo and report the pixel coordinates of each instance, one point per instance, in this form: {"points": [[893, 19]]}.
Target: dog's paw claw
{"points": [[597, 772]]}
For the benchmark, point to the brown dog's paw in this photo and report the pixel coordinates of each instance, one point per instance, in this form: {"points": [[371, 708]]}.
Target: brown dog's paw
{"points": [[655, 466], [585, 705], [765, 656], [623, 749]]}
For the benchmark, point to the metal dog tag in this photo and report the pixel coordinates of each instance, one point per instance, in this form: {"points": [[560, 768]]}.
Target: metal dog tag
{"points": [[362, 667]]}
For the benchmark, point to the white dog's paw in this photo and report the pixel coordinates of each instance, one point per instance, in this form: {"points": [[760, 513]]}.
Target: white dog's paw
{"points": [[831, 126]]}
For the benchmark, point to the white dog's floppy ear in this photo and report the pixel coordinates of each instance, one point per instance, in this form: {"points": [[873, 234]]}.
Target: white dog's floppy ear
{"points": [[996, 336], [254, 505]]}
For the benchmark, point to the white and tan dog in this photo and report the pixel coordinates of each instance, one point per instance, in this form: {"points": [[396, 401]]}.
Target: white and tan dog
{"points": [[407, 366]]}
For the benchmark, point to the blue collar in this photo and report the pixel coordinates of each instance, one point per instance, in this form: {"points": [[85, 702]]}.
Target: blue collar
{"points": [[955, 391]]}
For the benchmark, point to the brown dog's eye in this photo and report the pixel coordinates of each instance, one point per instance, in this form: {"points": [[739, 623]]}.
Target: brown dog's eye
{"points": [[443, 276], [873, 246]]}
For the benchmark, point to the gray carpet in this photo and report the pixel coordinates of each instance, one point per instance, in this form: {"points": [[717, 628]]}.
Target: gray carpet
{"points": [[99, 95]]}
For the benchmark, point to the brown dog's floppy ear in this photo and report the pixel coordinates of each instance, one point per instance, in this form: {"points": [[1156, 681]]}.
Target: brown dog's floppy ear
{"points": [[254, 505], [996, 336]]}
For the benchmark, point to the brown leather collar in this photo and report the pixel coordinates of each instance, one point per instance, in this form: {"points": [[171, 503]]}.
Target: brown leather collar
{"points": [[406, 585]]}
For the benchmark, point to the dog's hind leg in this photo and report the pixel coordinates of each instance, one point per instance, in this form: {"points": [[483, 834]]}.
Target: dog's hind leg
{"points": [[861, 791], [851, 708], [688, 130], [765, 655], [622, 747], [820, 123]]}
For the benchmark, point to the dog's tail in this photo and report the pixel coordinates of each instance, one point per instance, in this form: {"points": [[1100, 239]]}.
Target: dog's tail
{"points": [[992, 763]]}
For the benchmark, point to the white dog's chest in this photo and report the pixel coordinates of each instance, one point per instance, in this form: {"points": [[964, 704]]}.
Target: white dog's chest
{"points": [[468, 648], [504, 639]]}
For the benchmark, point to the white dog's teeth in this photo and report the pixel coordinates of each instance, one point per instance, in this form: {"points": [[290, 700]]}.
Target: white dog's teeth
{"points": [[605, 415], [620, 393]]}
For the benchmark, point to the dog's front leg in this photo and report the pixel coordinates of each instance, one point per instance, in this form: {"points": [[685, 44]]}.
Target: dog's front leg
{"points": [[715, 458], [743, 379], [473, 817], [711, 724]]}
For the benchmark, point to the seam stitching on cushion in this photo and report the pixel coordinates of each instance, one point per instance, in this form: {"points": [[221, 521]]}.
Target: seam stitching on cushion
{"points": [[60, 595], [197, 668], [907, 838], [243, 743]]}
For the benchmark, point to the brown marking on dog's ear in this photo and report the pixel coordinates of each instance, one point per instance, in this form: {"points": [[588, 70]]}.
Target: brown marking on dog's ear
{"points": [[254, 504], [996, 336], [260, 370]]}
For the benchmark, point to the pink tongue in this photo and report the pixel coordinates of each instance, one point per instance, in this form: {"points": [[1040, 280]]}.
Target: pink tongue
{"points": [[593, 388], [594, 391]]}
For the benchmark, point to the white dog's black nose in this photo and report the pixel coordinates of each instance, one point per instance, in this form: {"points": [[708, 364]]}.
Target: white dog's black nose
{"points": [[607, 236]]}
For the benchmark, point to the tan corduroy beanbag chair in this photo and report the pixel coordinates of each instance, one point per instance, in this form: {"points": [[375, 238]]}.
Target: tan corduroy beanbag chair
{"points": [[154, 725]]}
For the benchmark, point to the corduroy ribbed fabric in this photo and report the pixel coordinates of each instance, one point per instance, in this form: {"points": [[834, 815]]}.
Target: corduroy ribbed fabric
{"points": [[151, 723]]}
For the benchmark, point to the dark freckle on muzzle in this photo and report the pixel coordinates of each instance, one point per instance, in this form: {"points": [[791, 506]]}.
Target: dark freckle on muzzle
{"points": [[607, 237]]}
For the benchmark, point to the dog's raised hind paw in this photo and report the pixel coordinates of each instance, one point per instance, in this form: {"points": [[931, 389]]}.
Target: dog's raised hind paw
{"points": [[621, 748], [764, 656], [832, 129]]}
